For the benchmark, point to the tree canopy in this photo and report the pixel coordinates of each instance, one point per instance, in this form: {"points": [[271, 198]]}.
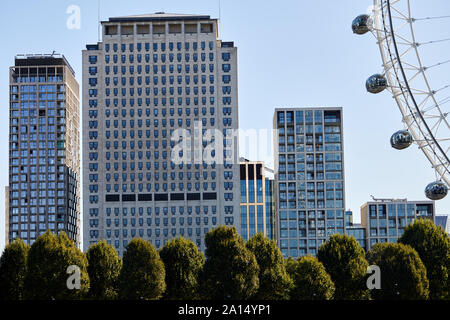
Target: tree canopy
{"points": [[289, 263], [403, 275], [231, 270], [274, 281], [311, 281], [345, 262], [183, 263], [13, 268], [142, 275], [432, 244], [103, 269], [49, 258]]}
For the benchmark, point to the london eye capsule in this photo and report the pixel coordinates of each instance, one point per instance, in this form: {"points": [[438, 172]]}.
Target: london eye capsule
{"points": [[436, 190], [376, 83], [401, 140], [362, 24]]}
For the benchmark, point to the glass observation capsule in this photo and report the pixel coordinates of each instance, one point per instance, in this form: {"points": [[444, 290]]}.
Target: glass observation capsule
{"points": [[436, 190], [401, 140], [362, 24], [376, 83]]}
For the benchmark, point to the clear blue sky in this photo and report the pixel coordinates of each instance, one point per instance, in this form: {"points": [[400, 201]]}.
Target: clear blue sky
{"points": [[291, 53]]}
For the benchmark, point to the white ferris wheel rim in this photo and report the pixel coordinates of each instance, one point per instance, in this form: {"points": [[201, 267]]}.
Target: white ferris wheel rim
{"points": [[411, 114]]}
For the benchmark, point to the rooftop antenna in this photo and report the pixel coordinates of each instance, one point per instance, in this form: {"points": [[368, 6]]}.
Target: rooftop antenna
{"points": [[98, 19], [218, 25]]}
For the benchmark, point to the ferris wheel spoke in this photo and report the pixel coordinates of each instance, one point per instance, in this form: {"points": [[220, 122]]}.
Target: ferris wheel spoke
{"points": [[402, 26], [410, 66], [436, 65], [436, 117], [434, 106], [422, 104], [441, 89], [398, 11], [405, 52], [406, 42], [436, 126], [430, 18], [443, 101], [432, 42], [421, 92], [441, 168], [414, 76]]}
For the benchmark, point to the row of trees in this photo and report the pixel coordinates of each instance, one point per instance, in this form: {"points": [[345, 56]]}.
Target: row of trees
{"points": [[417, 267]]}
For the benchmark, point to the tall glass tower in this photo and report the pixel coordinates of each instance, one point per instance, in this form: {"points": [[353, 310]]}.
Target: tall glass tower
{"points": [[155, 89], [309, 175], [257, 204], [44, 146]]}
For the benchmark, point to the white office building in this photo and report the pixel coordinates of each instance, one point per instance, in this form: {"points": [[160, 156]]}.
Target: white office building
{"points": [[154, 89]]}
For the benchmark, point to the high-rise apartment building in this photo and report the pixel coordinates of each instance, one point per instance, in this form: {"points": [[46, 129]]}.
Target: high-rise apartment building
{"points": [[309, 175], [359, 232], [444, 222], [6, 215], [154, 90], [386, 219], [257, 204], [355, 229], [44, 159], [271, 213]]}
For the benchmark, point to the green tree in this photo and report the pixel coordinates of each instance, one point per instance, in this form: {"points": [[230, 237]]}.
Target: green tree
{"points": [[274, 281], [103, 269], [433, 246], [311, 281], [142, 275], [403, 275], [183, 263], [231, 270], [290, 264], [13, 268], [48, 262], [345, 262]]}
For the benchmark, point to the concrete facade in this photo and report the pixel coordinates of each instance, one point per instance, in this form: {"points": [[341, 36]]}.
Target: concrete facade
{"points": [[150, 80]]}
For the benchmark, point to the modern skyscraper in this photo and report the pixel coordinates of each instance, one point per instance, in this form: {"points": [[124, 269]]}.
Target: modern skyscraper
{"points": [[257, 205], [271, 212], [355, 229], [309, 175], [386, 219], [348, 218], [154, 89], [44, 163], [444, 222], [359, 232], [6, 215]]}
